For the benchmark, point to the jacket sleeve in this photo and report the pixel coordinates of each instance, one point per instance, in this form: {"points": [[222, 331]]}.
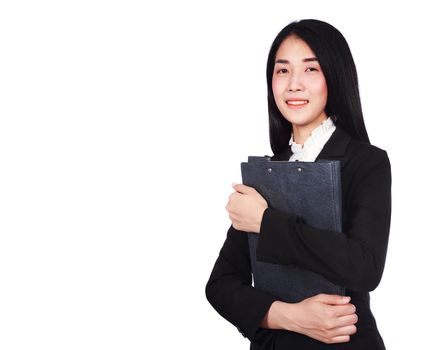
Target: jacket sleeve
{"points": [[355, 259], [229, 289]]}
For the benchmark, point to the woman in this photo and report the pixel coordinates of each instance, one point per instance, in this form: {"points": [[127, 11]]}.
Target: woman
{"points": [[314, 113]]}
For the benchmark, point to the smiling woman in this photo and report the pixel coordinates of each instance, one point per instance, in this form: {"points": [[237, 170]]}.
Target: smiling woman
{"points": [[299, 87], [314, 114]]}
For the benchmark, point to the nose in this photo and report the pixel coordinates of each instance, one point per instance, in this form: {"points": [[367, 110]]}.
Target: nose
{"points": [[295, 82]]}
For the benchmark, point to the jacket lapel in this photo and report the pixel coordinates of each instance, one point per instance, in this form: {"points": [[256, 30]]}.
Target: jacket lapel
{"points": [[335, 148]]}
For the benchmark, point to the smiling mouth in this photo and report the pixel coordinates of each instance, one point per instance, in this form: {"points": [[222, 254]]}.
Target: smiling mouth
{"points": [[296, 103]]}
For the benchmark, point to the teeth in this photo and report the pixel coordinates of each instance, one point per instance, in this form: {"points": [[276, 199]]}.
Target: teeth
{"points": [[296, 103]]}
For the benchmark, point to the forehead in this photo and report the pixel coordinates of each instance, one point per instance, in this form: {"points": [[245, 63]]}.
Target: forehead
{"points": [[294, 48]]}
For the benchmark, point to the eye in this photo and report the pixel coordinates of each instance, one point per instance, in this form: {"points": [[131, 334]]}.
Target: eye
{"points": [[282, 70], [311, 69]]}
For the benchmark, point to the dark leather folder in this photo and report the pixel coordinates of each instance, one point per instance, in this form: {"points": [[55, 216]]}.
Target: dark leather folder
{"points": [[309, 190]]}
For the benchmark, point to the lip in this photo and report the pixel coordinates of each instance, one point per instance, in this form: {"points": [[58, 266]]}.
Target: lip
{"points": [[296, 103]]}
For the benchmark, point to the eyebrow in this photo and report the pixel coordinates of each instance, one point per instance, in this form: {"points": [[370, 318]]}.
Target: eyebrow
{"points": [[310, 59]]}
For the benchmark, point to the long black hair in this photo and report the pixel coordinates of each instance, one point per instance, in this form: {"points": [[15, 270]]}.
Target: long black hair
{"points": [[335, 59]]}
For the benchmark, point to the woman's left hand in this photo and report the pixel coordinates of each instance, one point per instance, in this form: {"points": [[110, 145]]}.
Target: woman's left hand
{"points": [[246, 207]]}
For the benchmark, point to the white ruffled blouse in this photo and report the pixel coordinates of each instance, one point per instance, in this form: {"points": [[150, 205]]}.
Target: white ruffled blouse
{"points": [[311, 148]]}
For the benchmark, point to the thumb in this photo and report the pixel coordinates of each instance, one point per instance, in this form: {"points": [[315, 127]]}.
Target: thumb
{"points": [[241, 188], [332, 299]]}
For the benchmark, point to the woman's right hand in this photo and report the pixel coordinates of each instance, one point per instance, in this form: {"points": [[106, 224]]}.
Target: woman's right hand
{"points": [[327, 318]]}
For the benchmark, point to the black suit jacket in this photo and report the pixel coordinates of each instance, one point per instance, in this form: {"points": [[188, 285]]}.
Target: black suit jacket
{"points": [[354, 259]]}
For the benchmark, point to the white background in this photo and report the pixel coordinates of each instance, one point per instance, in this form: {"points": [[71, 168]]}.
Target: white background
{"points": [[123, 124]]}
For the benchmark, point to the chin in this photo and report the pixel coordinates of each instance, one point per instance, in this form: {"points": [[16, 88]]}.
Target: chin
{"points": [[298, 121]]}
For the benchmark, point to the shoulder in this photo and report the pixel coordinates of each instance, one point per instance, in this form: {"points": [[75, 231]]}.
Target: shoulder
{"points": [[342, 145], [361, 162], [366, 166], [362, 154]]}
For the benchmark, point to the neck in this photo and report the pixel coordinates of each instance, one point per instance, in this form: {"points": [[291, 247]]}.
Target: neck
{"points": [[302, 132]]}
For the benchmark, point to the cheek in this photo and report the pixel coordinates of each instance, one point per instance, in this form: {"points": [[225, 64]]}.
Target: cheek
{"points": [[277, 86], [321, 89], [324, 90]]}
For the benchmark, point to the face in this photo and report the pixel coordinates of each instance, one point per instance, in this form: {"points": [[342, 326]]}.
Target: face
{"points": [[298, 84]]}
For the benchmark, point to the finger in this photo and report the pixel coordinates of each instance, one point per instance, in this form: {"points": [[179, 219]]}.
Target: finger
{"points": [[347, 320], [342, 331], [343, 310], [339, 339], [232, 195], [332, 299], [242, 188], [232, 200], [233, 218], [238, 227]]}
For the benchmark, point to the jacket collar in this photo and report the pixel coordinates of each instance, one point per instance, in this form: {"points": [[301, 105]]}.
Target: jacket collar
{"points": [[334, 148]]}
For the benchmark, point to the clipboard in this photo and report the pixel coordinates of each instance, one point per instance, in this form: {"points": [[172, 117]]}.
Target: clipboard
{"points": [[309, 190]]}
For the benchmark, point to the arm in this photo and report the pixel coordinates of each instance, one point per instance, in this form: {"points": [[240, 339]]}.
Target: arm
{"points": [[354, 259], [229, 289], [327, 318]]}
